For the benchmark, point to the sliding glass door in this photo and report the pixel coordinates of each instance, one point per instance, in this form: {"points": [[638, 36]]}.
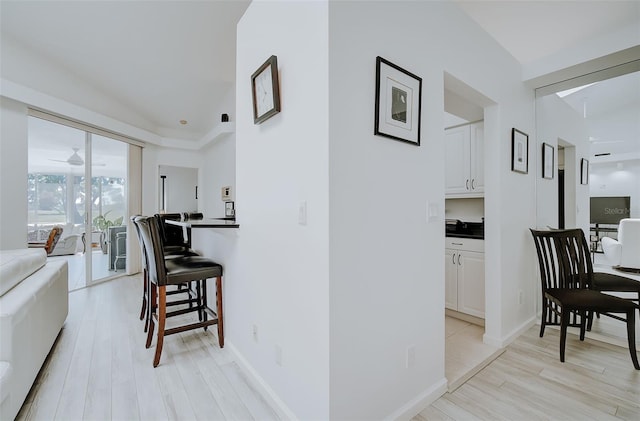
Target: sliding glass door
{"points": [[77, 179]]}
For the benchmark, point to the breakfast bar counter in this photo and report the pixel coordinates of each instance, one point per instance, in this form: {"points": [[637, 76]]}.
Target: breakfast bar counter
{"points": [[206, 223]]}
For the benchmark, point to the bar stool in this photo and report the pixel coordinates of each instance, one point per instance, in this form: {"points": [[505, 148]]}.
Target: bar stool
{"points": [[148, 302], [163, 272]]}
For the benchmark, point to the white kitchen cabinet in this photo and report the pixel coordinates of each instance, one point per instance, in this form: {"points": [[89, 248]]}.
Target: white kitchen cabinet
{"points": [[464, 276], [464, 161]]}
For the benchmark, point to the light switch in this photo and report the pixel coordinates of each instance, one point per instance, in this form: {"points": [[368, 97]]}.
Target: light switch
{"points": [[302, 213], [432, 211]]}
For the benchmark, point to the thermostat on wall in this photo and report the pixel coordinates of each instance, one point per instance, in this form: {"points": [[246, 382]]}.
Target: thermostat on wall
{"points": [[226, 193]]}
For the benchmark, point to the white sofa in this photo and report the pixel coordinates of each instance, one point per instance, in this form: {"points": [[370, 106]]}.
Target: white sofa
{"points": [[34, 302], [625, 251]]}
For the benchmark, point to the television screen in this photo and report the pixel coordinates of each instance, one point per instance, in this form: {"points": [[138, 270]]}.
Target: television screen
{"points": [[610, 210]]}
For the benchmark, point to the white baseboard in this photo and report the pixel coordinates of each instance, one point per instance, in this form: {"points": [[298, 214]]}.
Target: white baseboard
{"points": [[417, 404], [506, 340], [270, 395]]}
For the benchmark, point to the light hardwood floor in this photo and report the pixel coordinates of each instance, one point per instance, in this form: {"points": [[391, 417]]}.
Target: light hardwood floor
{"points": [[99, 368], [528, 382]]}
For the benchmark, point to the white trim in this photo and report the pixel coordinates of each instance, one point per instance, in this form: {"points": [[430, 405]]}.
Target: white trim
{"points": [[420, 402], [65, 121], [506, 340], [270, 395]]}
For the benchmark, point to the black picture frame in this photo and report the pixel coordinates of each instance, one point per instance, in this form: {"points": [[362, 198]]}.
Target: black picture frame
{"points": [[548, 161], [519, 151], [584, 171], [398, 103], [265, 90]]}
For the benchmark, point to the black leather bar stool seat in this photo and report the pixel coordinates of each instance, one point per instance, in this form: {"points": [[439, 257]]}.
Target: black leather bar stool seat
{"points": [[179, 270]]}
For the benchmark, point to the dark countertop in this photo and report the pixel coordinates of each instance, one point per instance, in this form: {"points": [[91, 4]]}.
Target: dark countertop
{"points": [[459, 229], [459, 235], [206, 223]]}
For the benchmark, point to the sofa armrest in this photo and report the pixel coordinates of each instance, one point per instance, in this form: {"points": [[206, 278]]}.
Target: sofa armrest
{"points": [[612, 250]]}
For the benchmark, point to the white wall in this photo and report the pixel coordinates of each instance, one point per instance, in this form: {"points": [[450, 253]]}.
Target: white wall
{"points": [[279, 280], [13, 174], [386, 266], [556, 120], [610, 179]]}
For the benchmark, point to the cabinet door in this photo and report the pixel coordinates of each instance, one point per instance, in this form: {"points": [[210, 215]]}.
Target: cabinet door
{"points": [[450, 279], [477, 158], [457, 150], [471, 283]]}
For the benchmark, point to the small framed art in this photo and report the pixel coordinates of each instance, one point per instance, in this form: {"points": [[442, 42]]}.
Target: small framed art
{"points": [[519, 151], [398, 102], [584, 171], [265, 88], [548, 161]]}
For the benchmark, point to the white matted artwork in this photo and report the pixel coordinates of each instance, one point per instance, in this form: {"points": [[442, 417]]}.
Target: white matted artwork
{"points": [[398, 102], [519, 151]]}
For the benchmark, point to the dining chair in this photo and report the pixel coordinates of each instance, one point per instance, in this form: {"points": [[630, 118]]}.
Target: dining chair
{"points": [[163, 272], [566, 274]]}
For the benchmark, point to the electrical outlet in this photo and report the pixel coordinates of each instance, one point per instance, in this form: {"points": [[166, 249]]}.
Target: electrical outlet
{"points": [[254, 331], [279, 355], [302, 213], [520, 297], [411, 356]]}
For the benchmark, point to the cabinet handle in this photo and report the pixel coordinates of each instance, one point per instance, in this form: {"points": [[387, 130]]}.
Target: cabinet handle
{"points": [[467, 184], [459, 260], [473, 181], [457, 244], [453, 259]]}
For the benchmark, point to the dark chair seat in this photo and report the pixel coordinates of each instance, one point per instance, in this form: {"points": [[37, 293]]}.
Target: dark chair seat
{"points": [[610, 282], [589, 300], [187, 268]]}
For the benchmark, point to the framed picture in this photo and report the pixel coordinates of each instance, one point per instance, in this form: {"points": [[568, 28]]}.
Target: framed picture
{"points": [[398, 102], [519, 151], [265, 88], [584, 171], [548, 161]]}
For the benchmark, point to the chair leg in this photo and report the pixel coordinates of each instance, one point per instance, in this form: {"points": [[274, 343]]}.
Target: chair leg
{"points": [[543, 322], [144, 295], [204, 302], [583, 324], [162, 315], [199, 298], [563, 332], [153, 297], [631, 336], [219, 311]]}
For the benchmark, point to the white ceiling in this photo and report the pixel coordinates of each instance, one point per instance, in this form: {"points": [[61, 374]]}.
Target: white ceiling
{"points": [[165, 61]]}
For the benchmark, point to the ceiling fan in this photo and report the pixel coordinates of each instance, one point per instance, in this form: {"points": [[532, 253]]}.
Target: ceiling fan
{"points": [[75, 159]]}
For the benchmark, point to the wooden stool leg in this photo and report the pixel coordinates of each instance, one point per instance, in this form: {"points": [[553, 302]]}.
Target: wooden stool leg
{"points": [[204, 301], [219, 311], [631, 336], [151, 311], [144, 295], [162, 315]]}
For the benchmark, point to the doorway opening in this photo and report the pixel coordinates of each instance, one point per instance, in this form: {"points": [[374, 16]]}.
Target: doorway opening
{"points": [[464, 254]]}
